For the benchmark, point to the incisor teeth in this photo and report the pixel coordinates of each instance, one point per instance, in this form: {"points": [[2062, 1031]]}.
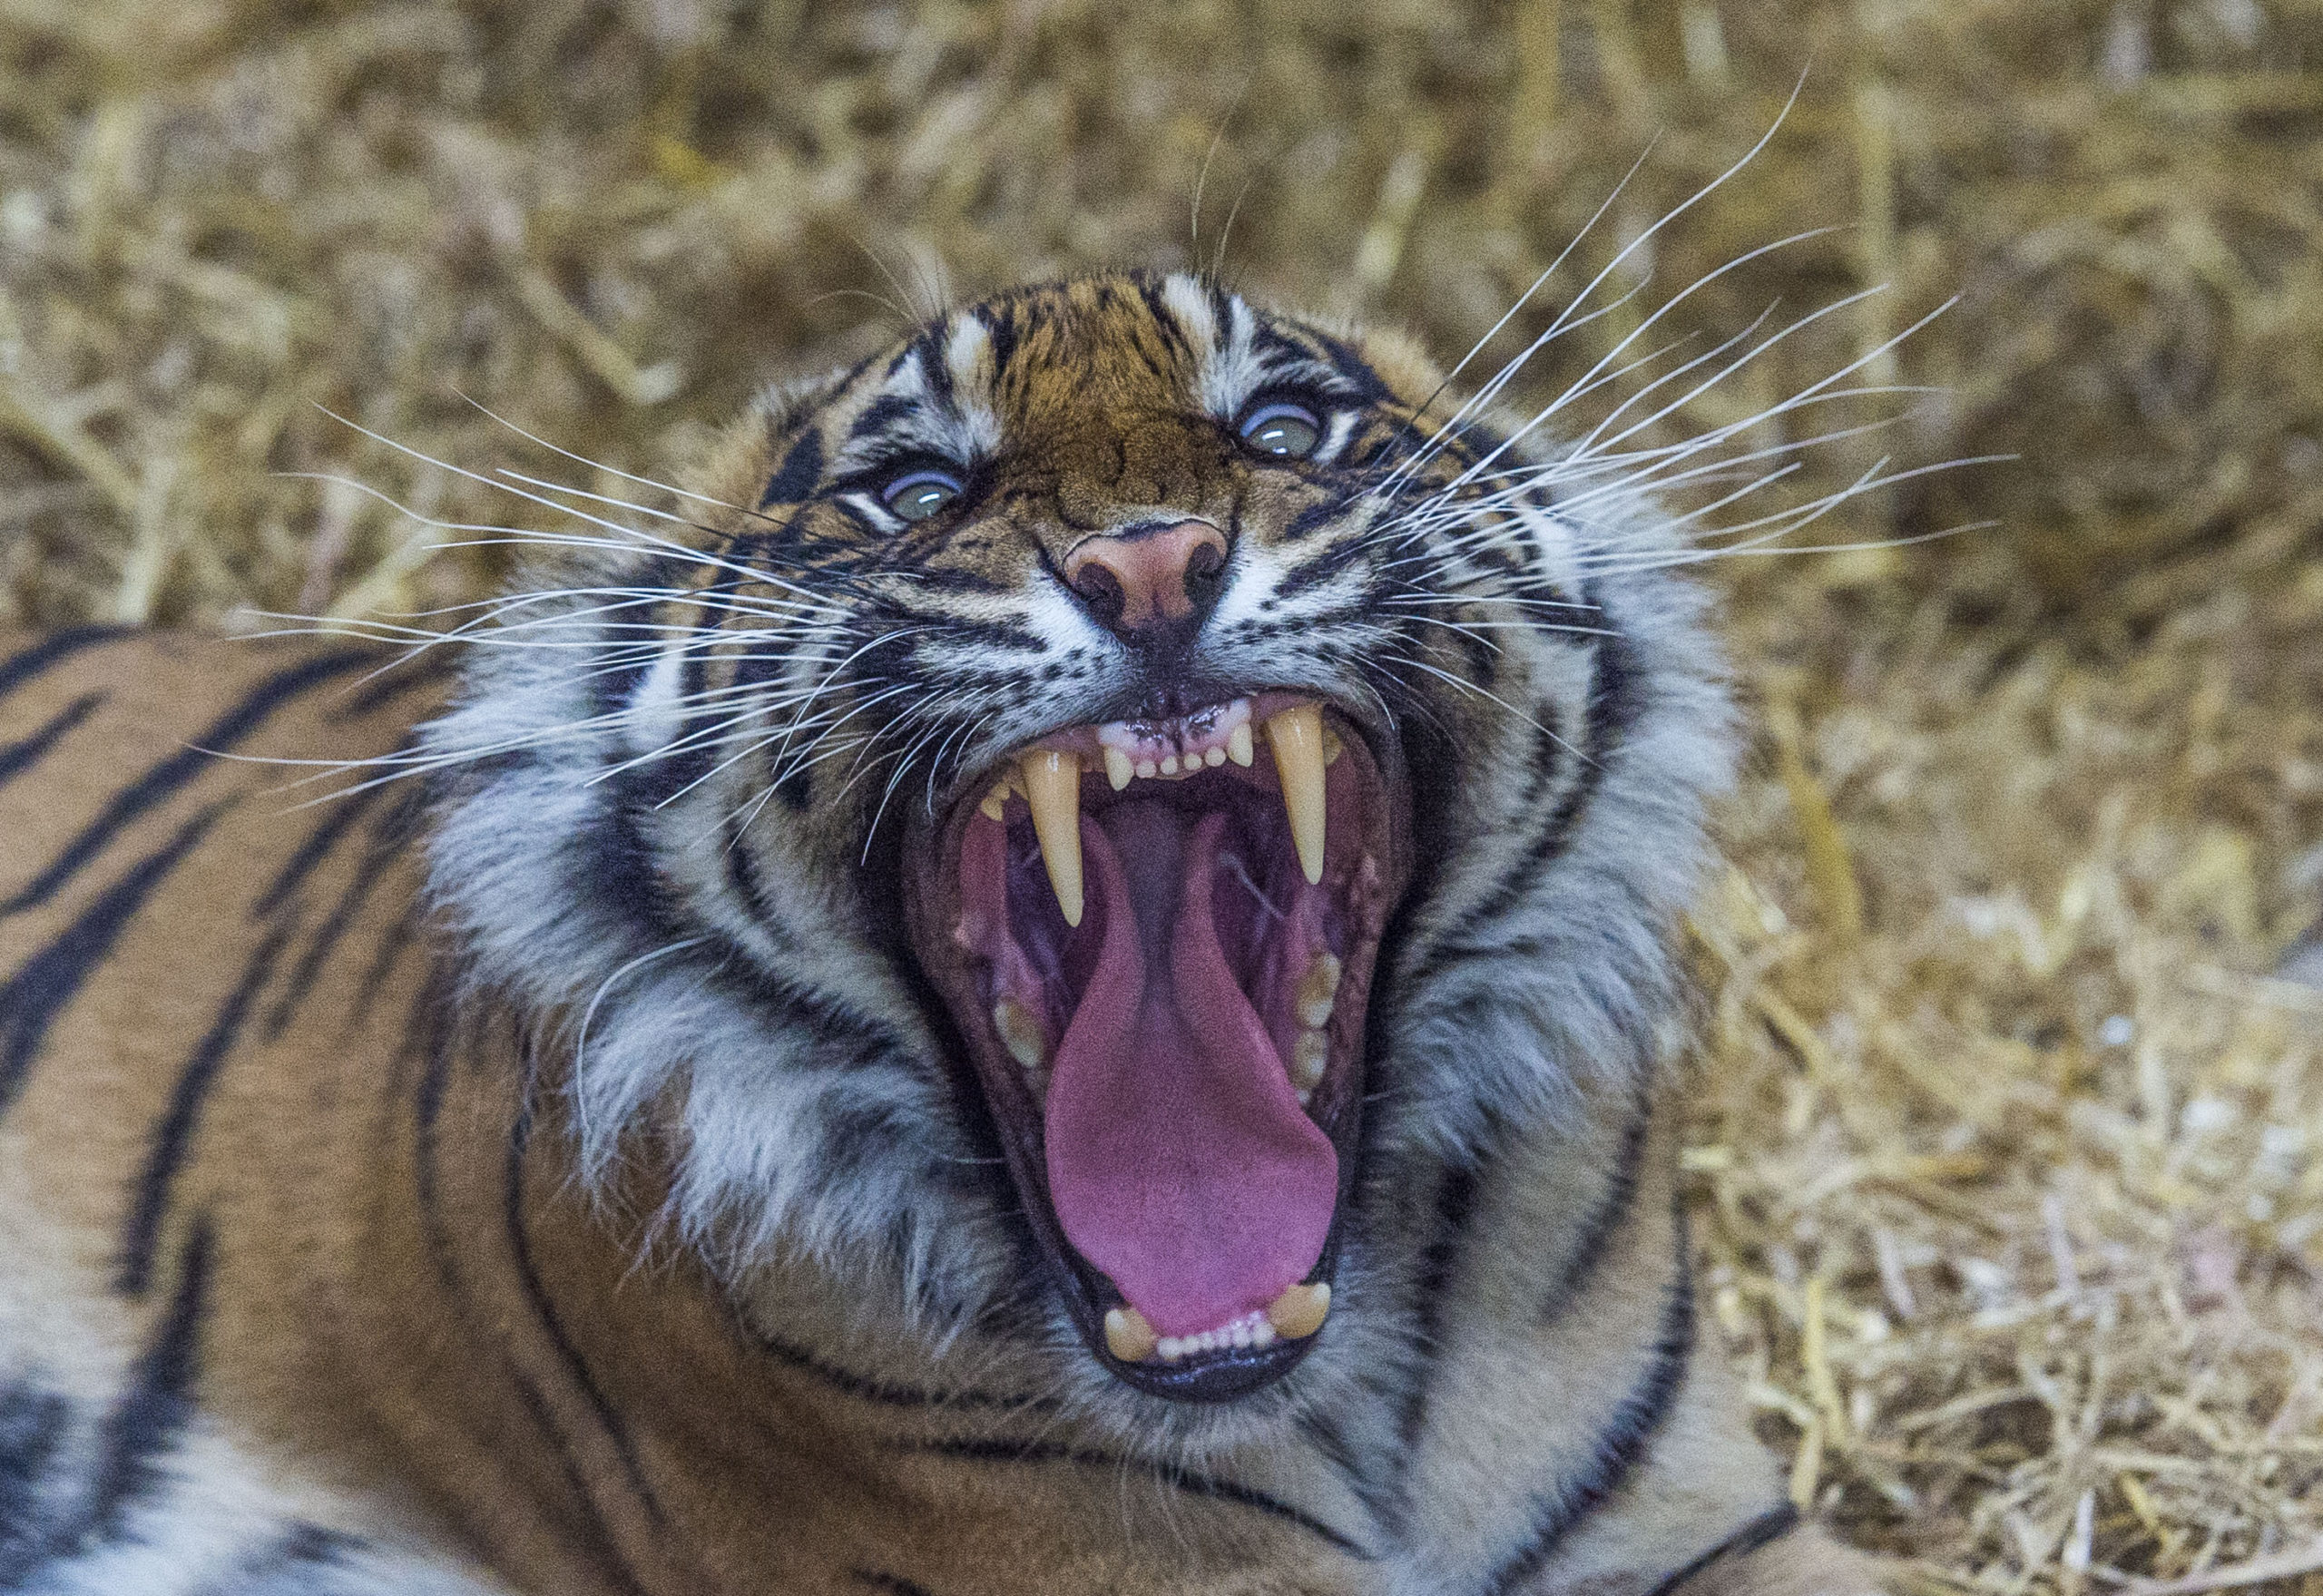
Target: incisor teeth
{"points": [[1128, 1336], [1319, 989], [1020, 1034], [1118, 769], [1239, 747], [1052, 778], [1296, 737], [1300, 1310]]}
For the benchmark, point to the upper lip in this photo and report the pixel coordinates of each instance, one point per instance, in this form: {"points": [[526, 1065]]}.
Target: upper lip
{"points": [[1016, 1114]]}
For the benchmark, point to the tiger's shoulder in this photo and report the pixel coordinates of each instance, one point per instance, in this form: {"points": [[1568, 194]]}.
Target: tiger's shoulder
{"points": [[170, 898]]}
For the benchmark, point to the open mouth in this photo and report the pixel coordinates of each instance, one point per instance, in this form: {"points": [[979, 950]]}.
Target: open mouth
{"points": [[1158, 938]]}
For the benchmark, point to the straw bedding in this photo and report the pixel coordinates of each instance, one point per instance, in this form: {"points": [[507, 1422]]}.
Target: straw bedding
{"points": [[2007, 1165]]}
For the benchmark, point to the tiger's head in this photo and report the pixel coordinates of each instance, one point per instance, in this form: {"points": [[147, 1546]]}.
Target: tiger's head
{"points": [[1083, 819]]}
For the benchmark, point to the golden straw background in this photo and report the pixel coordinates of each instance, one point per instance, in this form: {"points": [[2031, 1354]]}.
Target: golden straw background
{"points": [[2008, 1161]]}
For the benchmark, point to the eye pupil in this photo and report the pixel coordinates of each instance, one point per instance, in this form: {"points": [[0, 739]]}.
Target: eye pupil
{"points": [[1285, 432]]}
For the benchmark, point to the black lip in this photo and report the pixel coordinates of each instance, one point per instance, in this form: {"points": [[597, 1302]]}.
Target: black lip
{"points": [[1017, 1121]]}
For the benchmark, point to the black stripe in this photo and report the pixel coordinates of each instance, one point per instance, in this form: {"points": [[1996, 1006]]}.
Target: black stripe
{"points": [[172, 1137], [1001, 324], [934, 368], [32, 1428], [24, 664], [145, 1422], [879, 414], [1165, 321], [1622, 1443], [407, 675], [38, 991], [847, 1381], [1768, 1527], [800, 474], [1333, 559], [1456, 1205], [342, 813], [1204, 1486], [439, 1045], [163, 779], [389, 840], [401, 936], [1312, 520], [1616, 696], [15, 757], [536, 1297], [1351, 367], [1597, 1232]]}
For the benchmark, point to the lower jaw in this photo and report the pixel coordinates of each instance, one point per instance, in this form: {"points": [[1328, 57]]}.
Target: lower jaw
{"points": [[1222, 1366]]}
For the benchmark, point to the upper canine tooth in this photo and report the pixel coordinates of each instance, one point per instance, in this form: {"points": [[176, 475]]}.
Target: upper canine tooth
{"points": [[1296, 737], [1300, 1310], [1118, 769], [1238, 745], [1052, 779]]}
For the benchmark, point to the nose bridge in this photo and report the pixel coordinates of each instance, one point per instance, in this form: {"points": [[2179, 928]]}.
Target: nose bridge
{"points": [[1109, 469]]}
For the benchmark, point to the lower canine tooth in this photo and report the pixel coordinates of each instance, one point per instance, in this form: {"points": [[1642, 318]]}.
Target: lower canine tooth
{"points": [[1299, 1311], [1128, 1336], [1052, 778], [1020, 1034], [1296, 737]]}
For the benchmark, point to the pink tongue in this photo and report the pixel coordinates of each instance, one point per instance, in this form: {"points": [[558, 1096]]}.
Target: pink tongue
{"points": [[1180, 1162]]}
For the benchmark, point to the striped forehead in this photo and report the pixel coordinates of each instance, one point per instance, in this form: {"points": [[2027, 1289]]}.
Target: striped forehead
{"points": [[961, 387]]}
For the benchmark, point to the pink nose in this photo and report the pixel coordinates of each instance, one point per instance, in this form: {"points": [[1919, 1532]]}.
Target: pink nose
{"points": [[1143, 578]]}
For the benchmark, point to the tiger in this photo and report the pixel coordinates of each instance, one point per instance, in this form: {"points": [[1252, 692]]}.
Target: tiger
{"points": [[1060, 974]]}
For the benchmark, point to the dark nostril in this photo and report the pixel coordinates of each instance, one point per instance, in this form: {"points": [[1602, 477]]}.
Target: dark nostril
{"points": [[1101, 591], [1205, 565]]}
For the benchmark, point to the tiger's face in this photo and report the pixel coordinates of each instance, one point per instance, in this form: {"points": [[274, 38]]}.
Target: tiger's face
{"points": [[1126, 737]]}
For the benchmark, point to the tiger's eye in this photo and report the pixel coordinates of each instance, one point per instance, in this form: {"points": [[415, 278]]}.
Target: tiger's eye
{"points": [[1286, 432], [918, 494]]}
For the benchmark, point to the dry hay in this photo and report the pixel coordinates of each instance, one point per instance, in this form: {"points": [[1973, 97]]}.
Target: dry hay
{"points": [[2007, 1161]]}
